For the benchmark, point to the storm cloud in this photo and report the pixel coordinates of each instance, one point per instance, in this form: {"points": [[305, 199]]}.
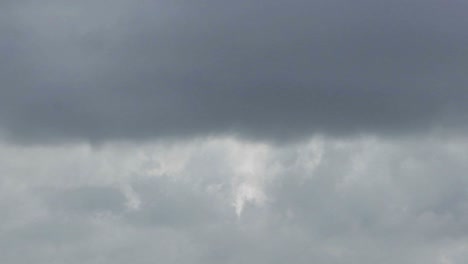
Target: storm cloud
{"points": [[228, 132], [102, 70]]}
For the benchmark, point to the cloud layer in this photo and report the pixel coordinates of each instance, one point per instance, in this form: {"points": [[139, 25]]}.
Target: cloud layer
{"points": [[186, 102], [96, 70], [229, 201]]}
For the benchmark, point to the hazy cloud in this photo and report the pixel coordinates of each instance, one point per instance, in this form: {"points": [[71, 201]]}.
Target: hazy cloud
{"points": [[327, 201]]}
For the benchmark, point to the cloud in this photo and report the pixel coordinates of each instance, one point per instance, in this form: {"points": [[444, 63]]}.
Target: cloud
{"points": [[96, 71], [154, 128], [86, 199], [361, 200]]}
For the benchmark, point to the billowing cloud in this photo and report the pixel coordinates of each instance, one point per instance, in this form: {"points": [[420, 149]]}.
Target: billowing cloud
{"points": [[326, 201], [96, 70]]}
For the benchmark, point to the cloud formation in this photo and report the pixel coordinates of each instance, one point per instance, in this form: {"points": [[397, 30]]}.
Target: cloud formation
{"points": [[97, 71], [327, 201], [186, 102]]}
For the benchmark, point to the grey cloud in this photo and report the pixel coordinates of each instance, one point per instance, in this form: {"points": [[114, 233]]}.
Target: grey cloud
{"points": [[89, 199], [405, 194], [263, 69], [176, 204], [364, 201]]}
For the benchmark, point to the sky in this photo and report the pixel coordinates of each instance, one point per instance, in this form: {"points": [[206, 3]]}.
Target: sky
{"points": [[257, 132]]}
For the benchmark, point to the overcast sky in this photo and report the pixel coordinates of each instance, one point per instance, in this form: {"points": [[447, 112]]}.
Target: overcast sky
{"points": [[248, 131]]}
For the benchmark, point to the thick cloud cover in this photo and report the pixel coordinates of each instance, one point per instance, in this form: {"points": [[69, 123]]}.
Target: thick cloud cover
{"points": [[98, 70], [226, 201], [186, 101]]}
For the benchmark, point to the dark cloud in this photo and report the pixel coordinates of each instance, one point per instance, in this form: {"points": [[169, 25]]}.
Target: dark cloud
{"points": [[272, 69], [102, 70]]}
